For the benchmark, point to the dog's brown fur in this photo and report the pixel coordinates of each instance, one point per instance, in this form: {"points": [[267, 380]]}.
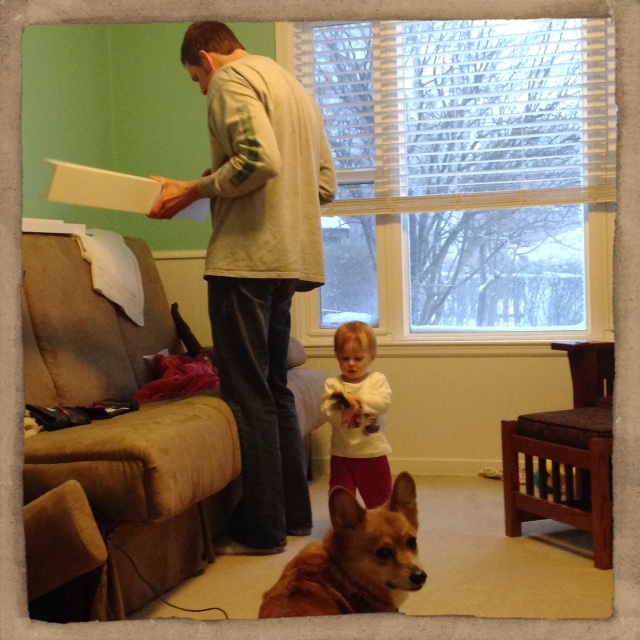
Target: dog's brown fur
{"points": [[367, 562]]}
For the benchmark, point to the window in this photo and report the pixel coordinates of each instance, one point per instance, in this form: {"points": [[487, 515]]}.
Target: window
{"points": [[473, 160]]}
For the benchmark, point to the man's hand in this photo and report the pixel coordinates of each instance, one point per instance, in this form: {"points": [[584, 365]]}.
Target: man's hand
{"points": [[176, 195]]}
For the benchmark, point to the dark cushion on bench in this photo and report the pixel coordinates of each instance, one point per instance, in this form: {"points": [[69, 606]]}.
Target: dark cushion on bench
{"points": [[571, 427]]}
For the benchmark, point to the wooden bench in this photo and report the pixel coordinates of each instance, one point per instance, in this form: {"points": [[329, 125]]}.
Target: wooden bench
{"points": [[567, 455]]}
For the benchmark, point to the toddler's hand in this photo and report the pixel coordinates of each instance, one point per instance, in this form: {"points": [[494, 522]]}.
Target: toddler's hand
{"points": [[348, 413]]}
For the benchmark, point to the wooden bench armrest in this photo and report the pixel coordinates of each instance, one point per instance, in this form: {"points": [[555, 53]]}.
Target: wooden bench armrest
{"points": [[592, 366]]}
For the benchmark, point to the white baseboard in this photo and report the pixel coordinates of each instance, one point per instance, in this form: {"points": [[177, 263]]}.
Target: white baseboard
{"points": [[422, 467]]}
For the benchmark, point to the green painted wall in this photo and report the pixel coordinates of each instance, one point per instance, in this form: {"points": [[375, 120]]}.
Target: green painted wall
{"points": [[118, 98], [66, 111]]}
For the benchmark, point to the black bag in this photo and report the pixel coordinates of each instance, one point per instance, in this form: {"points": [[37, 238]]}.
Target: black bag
{"points": [[54, 418]]}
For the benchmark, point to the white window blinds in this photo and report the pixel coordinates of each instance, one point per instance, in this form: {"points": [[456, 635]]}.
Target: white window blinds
{"points": [[455, 115]]}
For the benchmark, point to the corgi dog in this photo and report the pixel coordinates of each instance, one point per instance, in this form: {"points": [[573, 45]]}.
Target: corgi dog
{"points": [[366, 563]]}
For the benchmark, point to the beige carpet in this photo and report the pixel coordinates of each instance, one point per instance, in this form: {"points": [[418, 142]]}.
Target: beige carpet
{"points": [[473, 568]]}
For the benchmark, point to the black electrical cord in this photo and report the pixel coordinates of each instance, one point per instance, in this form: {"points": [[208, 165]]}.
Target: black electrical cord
{"points": [[133, 564]]}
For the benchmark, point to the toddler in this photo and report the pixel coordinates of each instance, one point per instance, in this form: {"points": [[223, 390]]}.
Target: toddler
{"points": [[355, 404]]}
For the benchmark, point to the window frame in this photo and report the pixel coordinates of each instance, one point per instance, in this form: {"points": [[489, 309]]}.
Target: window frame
{"points": [[394, 332]]}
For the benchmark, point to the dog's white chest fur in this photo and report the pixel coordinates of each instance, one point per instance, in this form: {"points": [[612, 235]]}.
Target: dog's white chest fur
{"points": [[399, 597]]}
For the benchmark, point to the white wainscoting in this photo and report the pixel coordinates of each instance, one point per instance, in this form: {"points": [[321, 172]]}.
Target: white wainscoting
{"points": [[182, 275], [447, 404]]}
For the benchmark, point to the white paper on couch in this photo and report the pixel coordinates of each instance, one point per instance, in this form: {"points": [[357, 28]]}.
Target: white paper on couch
{"points": [[115, 271]]}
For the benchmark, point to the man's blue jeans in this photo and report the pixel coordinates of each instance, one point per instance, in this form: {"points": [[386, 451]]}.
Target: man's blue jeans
{"points": [[251, 324]]}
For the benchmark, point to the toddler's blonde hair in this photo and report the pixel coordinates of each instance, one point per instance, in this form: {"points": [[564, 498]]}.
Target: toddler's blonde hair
{"points": [[356, 333]]}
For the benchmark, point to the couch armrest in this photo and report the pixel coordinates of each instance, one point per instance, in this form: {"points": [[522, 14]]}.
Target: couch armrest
{"points": [[297, 354], [62, 539]]}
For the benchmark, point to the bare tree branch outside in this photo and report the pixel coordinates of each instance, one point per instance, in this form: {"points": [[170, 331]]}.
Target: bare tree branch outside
{"points": [[477, 107]]}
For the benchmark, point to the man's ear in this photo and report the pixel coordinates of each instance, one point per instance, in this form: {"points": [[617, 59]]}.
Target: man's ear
{"points": [[206, 60]]}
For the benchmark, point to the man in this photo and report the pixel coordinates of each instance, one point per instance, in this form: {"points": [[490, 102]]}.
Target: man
{"points": [[271, 168]]}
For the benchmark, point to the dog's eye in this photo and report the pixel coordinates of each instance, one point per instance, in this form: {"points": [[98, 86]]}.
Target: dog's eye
{"points": [[384, 553], [412, 543]]}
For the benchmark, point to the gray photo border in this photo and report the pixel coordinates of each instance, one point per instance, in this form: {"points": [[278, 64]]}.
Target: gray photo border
{"points": [[15, 15]]}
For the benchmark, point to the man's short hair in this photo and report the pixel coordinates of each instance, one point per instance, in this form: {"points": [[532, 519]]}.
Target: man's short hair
{"points": [[212, 37]]}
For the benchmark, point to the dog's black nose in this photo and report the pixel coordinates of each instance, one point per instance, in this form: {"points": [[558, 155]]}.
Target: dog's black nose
{"points": [[418, 577]]}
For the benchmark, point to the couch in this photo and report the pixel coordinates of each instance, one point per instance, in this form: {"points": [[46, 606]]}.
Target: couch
{"points": [[66, 556], [160, 481]]}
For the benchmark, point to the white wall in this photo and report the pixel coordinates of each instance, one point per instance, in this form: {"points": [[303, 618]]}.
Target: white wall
{"points": [[182, 276], [446, 410], [447, 401]]}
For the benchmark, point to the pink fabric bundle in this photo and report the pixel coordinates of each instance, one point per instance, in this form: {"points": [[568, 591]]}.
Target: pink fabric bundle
{"points": [[179, 376]]}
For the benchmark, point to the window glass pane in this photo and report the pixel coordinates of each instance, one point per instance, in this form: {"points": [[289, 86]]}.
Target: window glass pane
{"points": [[489, 106], [489, 127], [351, 291], [343, 85], [457, 107], [509, 270]]}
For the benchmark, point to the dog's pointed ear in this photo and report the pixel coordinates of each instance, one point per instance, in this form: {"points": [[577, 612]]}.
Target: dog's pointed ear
{"points": [[403, 497], [344, 509]]}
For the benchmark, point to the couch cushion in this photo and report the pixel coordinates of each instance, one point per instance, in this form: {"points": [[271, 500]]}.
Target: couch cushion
{"points": [[39, 389], [75, 328], [307, 386], [159, 331], [147, 465]]}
